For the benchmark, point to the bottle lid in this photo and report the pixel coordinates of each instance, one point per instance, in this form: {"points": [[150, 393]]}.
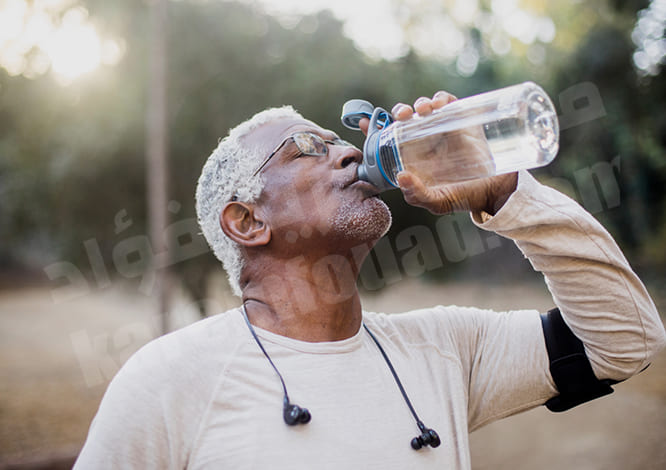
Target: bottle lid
{"points": [[353, 111]]}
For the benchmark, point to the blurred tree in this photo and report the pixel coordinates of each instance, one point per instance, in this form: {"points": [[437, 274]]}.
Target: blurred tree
{"points": [[71, 157]]}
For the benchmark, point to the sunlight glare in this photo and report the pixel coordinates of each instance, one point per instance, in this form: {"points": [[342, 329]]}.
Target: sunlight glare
{"points": [[30, 42], [74, 49]]}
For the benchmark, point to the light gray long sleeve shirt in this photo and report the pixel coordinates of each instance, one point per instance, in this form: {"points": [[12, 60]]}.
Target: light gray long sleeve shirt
{"points": [[205, 397]]}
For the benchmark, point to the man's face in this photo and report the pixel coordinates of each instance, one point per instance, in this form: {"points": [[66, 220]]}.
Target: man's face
{"points": [[315, 198]]}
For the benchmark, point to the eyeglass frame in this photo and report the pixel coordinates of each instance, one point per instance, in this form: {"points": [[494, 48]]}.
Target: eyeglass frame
{"points": [[337, 141]]}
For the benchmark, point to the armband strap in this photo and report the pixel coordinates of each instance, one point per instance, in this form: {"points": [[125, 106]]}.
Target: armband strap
{"points": [[569, 366]]}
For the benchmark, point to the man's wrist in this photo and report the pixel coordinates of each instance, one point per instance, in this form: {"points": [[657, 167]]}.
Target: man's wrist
{"points": [[501, 189]]}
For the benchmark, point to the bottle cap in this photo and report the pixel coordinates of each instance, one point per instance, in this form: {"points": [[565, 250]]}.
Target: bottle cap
{"points": [[353, 111]]}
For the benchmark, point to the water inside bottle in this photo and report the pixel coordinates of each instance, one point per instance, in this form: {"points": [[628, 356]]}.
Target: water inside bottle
{"points": [[478, 145]]}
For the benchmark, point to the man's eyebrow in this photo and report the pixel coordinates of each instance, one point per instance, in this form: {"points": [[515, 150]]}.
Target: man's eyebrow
{"points": [[323, 133], [329, 135]]}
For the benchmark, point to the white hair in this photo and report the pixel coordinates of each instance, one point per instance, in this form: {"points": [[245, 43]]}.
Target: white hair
{"points": [[227, 173]]}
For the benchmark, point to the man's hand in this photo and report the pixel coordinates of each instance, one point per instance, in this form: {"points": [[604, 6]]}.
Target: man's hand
{"points": [[486, 194]]}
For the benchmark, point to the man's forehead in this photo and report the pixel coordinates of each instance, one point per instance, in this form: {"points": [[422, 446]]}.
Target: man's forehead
{"points": [[268, 136]]}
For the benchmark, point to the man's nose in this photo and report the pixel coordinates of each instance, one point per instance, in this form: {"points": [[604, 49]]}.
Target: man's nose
{"points": [[346, 156]]}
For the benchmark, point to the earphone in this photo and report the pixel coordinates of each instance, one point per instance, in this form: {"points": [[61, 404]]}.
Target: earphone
{"points": [[294, 414], [428, 437]]}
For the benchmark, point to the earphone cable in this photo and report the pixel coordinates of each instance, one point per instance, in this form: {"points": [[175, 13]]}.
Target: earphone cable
{"points": [[254, 334], [419, 423]]}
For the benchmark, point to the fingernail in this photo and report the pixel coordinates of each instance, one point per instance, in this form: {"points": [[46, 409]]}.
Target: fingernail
{"points": [[399, 108], [401, 178], [443, 95]]}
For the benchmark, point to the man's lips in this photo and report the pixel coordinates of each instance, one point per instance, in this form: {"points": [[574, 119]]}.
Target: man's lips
{"points": [[368, 188], [365, 187]]}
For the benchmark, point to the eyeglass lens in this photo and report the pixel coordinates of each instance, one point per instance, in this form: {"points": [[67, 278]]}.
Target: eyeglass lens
{"points": [[312, 144]]}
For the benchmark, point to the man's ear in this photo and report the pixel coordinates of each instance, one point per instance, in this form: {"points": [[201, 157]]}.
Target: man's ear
{"points": [[240, 222]]}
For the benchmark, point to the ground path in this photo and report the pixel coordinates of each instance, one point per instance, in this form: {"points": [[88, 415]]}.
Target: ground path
{"points": [[56, 358]]}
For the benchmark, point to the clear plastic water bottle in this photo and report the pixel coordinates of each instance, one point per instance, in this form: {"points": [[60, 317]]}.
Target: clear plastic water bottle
{"points": [[497, 132]]}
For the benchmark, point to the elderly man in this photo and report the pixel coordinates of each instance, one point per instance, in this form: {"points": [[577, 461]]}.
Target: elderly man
{"points": [[280, 203]]}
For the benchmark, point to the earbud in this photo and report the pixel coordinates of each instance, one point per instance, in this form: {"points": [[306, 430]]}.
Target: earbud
{"points": [[429, 437], [294, 414]]}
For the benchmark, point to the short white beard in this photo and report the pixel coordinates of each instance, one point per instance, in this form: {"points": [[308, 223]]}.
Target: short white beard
{"points": [[364, 223]]}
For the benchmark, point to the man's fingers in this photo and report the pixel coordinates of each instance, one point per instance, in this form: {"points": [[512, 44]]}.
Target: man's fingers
{"points": [[442, 98], [416, 193], [402, 112], [413, 189], [405, 180], [423, 106], [364, 123]]}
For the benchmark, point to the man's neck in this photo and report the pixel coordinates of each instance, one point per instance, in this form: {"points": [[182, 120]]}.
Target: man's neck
{"points": [[306, 301]]}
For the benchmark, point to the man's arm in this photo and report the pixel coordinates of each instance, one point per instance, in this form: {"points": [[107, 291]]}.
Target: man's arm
{"points": [[503, 354], [601, 299], [129, 430], [151, 410]]}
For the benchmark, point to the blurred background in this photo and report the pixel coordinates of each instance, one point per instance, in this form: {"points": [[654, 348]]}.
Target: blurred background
{"points": [[108, 111]]}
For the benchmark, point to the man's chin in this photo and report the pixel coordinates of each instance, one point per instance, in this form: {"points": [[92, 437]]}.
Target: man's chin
{"points": [[367, 222], [383, 213]]}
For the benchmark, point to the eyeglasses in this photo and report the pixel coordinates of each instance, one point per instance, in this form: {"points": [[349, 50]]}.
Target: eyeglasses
{"points": [[308, 144]]}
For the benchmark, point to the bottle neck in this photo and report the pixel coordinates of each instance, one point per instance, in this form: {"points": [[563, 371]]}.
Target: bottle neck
{"points": [[381, 161]]}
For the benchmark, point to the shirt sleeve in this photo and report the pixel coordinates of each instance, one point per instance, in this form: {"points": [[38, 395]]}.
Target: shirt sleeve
{"points": [[502, 355], [129, 429], [149, 413], [600, 297]]}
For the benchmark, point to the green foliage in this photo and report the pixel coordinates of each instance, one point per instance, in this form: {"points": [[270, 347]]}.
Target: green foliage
{"points": [[72, 158]]}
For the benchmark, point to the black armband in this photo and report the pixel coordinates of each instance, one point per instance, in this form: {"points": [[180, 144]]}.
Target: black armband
{"points": [[569, 366]]}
